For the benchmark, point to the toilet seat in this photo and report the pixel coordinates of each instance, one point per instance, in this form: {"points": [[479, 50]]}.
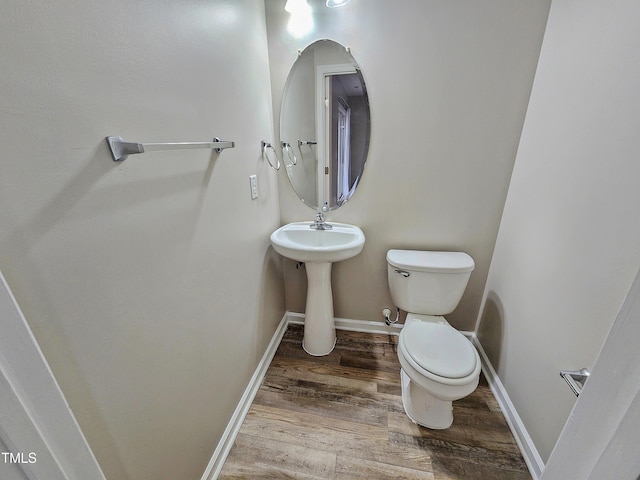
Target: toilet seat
{"points": [[438, 350]]}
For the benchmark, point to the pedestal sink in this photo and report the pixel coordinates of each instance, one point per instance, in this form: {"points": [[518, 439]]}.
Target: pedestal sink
{"points": [[318, 249]]}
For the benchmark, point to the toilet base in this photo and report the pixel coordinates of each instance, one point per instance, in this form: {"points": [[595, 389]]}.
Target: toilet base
{"points": [[422, 407]]}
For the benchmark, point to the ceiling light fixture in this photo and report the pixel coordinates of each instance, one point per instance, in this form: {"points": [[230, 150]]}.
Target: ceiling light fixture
{"points": [[336, 3]]}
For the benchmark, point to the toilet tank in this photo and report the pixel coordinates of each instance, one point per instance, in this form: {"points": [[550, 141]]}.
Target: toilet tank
{"points": [[428, 283]]}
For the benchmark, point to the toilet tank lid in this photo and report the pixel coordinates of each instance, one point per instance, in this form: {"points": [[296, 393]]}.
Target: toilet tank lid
{"points": [[428, 261]]}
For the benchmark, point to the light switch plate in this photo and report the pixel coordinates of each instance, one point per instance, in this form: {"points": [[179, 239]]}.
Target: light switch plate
{"points": [[253, 183]]}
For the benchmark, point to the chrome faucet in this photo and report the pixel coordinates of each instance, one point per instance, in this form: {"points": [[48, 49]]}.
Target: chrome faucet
{"points": [[320, 224]]}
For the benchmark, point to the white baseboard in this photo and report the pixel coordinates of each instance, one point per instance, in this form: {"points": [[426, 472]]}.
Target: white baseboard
{"points": [[525, 443], [233, 427], [366, 326], [529, 452]]}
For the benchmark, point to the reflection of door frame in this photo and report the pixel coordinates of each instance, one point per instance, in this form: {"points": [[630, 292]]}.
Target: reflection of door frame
{"points": [[344, 149], [36, 423], [323, 122]]}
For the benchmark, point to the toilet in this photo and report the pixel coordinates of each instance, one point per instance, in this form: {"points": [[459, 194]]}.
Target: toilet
{"points": [[439, 364]]}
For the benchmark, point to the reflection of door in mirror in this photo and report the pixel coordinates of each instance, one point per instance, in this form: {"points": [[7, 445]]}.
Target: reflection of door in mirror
{"points": [[341, 87], [335, 82], [343, 147], [347, 106]]}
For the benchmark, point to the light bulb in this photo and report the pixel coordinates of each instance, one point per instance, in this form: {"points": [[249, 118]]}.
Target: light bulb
{"points": [[336, 3], [296, 7]]}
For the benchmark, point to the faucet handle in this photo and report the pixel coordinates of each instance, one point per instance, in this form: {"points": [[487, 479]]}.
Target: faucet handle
{"points": [[320, 224]]}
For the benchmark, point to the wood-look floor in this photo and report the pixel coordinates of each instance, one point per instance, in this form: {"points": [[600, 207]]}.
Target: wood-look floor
{"points": [[341, 417]]}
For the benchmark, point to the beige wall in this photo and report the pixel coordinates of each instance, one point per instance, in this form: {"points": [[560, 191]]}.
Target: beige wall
{"points": [[568, 247], [448, 83], [149, 284]]}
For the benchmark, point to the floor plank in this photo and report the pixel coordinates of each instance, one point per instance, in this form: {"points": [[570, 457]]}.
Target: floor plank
{"points": [[341, 417]]}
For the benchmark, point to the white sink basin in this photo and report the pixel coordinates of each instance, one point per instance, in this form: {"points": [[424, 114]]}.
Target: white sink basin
{"points": [[318, 249], [302, 243]]}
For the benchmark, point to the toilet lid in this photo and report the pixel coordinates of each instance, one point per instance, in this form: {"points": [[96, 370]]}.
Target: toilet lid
{"points": [[440, 349]]}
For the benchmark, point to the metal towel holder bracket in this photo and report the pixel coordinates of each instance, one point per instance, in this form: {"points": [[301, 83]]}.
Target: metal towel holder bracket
{"points": [[576, 379], [264, 146]]}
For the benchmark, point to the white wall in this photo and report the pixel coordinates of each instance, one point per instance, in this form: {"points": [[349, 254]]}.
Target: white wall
{"points": [[568, 246], [448, 82], [150, 285]]}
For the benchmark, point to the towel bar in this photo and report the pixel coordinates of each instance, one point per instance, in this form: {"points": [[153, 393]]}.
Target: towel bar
{"points": [[120, 149]]}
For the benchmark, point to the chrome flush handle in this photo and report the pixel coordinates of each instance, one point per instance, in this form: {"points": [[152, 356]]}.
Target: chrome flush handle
{"points": [[404, 273]]}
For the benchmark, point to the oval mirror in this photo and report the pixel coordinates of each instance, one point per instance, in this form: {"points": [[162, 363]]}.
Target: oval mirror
{"points": [[325, 125]]}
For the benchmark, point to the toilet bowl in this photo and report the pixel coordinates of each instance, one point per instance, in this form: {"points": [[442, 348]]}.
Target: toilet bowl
{"points": [[439, 364]]}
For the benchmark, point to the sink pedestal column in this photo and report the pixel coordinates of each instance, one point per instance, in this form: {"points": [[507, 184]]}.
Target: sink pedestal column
{"points": [[319, 325]]}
